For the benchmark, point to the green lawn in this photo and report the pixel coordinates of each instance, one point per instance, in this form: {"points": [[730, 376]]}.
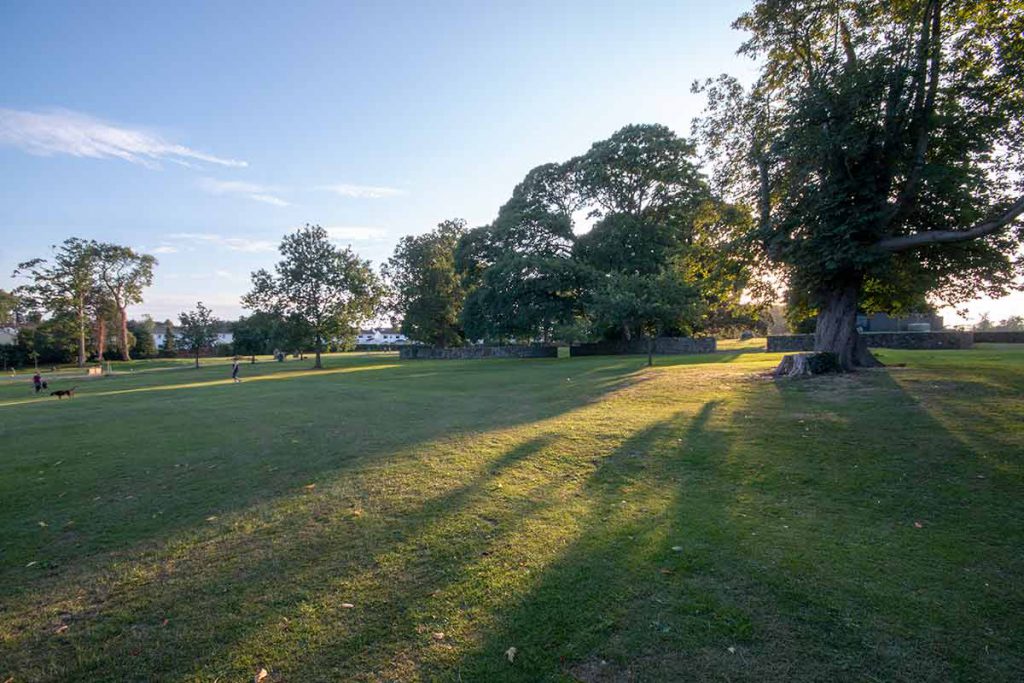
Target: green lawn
{"points": [[384, 520]]}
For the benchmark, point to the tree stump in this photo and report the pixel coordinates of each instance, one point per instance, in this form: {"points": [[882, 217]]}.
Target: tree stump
{"points": [[803, 364]]}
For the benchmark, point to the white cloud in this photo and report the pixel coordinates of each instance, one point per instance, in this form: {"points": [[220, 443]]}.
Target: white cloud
{"points": [[165, 249], [259, 193], [66, 132], [355, 233], [230, 243], [361, 191]]}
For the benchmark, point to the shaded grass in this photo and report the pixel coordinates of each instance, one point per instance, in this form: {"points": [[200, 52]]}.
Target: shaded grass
{"points": [[607, 521]]}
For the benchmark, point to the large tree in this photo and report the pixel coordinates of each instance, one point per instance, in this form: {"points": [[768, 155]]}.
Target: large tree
{"points": [[9, 306], [124, 274], [64, 284], [259, 333], [883, 149], [427, 292], [326, 289], [198, 330]]}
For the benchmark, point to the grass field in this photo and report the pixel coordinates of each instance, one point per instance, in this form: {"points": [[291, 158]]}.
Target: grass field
{"points": [[518, 520]]}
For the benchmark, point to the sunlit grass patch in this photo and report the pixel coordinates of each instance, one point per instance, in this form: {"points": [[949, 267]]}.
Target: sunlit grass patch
{"points": [[383, 520]]}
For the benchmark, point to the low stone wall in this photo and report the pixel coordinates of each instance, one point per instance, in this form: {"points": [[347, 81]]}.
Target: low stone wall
{"points": [[880, 340], [788, 343], [663, 346], [999, 337], [470, 352]]}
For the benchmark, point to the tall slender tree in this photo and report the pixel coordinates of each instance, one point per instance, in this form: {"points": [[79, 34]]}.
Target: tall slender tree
{"points": [[64, 284], [124, 274]]}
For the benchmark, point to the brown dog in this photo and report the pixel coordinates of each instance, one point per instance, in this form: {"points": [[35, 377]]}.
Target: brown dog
{"points": [[61, 393]]}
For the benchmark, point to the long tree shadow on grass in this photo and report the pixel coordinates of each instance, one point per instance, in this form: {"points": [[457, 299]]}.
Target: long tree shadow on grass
{"points": [[109, 474], [833, 530]]}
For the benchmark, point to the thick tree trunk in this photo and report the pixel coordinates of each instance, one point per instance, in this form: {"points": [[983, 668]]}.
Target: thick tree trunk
{"points": [[122, 315], [81, 340], [101, 338], [836, 330]]}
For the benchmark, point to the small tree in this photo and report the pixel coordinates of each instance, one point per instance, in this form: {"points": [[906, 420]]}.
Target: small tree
{"points": [[648, 303], [321, 287], [170, 344], [198, 330]]}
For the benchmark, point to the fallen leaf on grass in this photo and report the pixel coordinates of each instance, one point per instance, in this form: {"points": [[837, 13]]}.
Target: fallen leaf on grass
{"points": [[260, 675], [211, 518], [677, 548], [732, 649], [510, 654], [918, 525], [347, 605], [30, 563], [43, 524], [62, 628], [665, 570], [310, 487], [438, 635]]}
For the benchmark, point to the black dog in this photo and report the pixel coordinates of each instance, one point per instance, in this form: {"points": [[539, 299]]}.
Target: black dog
{"points": [[61, 393]]}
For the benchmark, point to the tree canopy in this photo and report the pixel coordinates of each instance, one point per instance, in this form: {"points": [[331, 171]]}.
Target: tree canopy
{"points": [[882, 146], [198, 330], [319, 287], [426, 291]]}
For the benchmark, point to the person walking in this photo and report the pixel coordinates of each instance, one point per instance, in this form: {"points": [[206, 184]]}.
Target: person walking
{"points": [[235, 367], [37, 381]]}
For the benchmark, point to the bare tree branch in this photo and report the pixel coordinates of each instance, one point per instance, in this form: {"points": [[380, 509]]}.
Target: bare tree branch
{"points": [[920, 239]]}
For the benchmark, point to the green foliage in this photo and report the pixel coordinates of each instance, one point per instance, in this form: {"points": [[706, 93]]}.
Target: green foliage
{"points": [[65, 285], [427, 293], [144, 345], [323, 291], [881, 146], [123, 274], [9, 305], [198, 330], [531, 277], [259, 334], [170, 344]]}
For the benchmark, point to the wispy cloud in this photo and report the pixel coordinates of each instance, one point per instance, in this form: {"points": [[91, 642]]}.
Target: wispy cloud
{"points": [[66, 132], [362, 191], [164, 249], [260, 193], [224, 242], [355, 233]]}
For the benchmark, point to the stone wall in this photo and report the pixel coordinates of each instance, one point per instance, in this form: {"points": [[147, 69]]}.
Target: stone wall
{"points": [[469, 352], [663, 346], [787, 343], [881, 340], [999, 337]]}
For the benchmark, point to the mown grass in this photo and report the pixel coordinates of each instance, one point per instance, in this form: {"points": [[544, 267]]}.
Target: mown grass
{"points": [[384, 520]]}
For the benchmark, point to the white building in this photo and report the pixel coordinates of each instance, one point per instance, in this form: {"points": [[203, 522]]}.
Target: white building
{"points": [[381, 337], [224, 335]]}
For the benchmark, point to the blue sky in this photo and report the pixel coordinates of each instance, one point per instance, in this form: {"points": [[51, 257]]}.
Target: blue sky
{"points": [[203, 131]]}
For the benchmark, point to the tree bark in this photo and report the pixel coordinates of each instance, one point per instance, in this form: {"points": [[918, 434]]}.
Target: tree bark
{"points": [[122, 315], [650, 351], [317, 365], [836, 330], [81, 339], [197, 358], [101, 337]]}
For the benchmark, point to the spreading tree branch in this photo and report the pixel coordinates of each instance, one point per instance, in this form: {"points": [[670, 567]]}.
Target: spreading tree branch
{"points": [[920, 239]]}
